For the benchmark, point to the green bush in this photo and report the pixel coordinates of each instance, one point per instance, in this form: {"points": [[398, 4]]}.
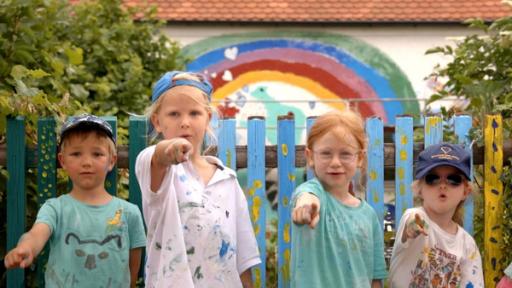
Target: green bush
{"points": [[58, 59], [481, 72]]}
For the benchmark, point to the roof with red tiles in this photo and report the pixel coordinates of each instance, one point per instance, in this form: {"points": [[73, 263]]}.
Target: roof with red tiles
{"points": [[326, 11]]}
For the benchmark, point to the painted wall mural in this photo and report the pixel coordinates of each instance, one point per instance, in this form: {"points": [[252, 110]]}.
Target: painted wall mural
{"points": [[274, 73]]}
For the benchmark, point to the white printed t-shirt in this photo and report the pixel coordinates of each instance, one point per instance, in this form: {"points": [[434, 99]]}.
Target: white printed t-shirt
{"points": [[198, 236], [440, 259]]}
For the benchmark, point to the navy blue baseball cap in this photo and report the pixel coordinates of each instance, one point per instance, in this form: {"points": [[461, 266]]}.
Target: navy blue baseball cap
{"points": [[86, 121], [443, 154], [168, 81]]}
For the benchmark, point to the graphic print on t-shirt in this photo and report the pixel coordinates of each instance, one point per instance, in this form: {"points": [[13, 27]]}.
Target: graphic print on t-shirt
{"points": [[80, 245], [437, 266]]}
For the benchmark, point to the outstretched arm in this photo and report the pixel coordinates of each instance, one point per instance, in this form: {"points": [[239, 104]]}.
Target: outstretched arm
{"points": [[306, 210], [167, 152], [29, 246]]}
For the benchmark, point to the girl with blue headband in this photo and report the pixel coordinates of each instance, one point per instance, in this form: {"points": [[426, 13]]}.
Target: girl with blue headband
{"points": [[199, 230]]}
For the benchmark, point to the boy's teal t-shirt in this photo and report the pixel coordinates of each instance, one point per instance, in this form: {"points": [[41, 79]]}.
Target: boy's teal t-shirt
{"points": [[90, 245], [346, 248]]}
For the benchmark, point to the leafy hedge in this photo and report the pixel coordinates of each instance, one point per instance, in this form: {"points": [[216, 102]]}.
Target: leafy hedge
{"points": [[58, 59], [481, 72]]}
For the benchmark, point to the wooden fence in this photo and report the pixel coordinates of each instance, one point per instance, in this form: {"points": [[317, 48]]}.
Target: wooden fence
{"points": [[256, 157]]}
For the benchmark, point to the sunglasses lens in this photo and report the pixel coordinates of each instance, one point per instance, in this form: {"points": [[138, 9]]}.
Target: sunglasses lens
{"points": [[454, 179], [431, 179]]}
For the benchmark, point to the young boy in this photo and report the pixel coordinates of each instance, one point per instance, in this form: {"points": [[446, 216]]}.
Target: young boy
{"points": [[95, 238]]}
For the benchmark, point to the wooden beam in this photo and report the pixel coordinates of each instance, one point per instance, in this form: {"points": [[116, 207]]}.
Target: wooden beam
{"points": [[271, 155]]}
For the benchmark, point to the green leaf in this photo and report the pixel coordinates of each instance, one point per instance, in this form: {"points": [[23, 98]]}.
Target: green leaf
{"points": [[476, 23], [75, 55], [435, 50], [23, 90], [434, 98], [38, 73], [79, 91], [18, 72]]}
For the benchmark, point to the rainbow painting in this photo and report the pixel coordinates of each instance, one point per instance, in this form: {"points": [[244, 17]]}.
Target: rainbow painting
{"points": [[304, 73]]}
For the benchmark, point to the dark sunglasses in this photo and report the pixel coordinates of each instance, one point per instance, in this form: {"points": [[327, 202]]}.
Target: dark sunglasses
{"points": [[452, 179]]}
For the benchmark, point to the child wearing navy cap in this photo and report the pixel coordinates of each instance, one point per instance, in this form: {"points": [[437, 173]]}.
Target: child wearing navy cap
{"points": [[95, 239], [431, 248]]}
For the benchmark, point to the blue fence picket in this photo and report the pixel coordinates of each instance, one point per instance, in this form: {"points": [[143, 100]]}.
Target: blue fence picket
{"points": [[46, 177], [16, 194], [227, 142], [375, 167], [286, 185], [403, 165], [433, 130], [256, 191], [462, 125]]}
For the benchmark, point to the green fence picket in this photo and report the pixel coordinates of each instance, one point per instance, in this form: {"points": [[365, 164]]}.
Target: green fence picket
{"points": [[16, 193]]}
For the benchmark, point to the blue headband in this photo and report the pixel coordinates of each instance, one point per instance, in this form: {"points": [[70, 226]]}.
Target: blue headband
{"points": [[167, 82]]}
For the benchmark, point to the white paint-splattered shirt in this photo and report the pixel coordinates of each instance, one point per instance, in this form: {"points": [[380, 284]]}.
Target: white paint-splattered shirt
{"points": [[198, 235]]}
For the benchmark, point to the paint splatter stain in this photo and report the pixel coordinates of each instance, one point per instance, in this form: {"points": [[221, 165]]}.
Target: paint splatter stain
{"points": [[284, 149], [227, 214], [182, 178], [470, 285], [223, 249], [158, 246], [191, 251], [197, 273]]}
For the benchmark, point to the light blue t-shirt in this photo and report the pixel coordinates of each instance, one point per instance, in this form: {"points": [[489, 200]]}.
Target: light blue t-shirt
{"points": [[90, 245], [346, 248]]}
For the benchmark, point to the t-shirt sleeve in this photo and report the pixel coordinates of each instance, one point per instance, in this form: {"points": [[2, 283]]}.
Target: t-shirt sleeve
{"points": [[136, 228], [48, 214], [143, 173], [247, 253], [379, 263], [471, 266]]}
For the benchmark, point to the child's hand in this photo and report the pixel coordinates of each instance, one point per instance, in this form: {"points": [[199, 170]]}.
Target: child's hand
{"points": [[307, 210], [414, 228], [178, 150], [20, 256]]}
